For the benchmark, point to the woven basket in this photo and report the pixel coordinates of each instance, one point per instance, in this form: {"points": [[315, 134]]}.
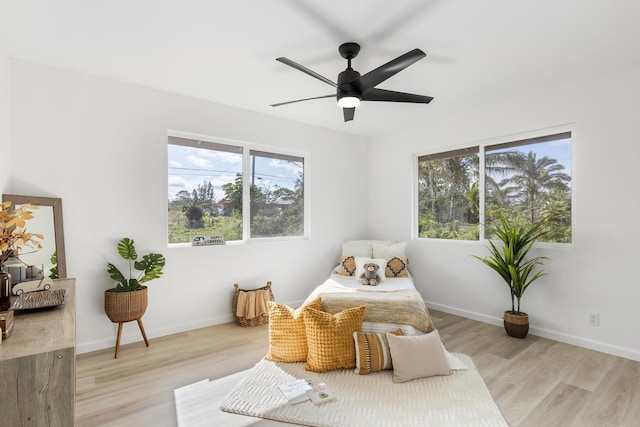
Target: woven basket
{"points": [[125, 306], [516, 325], [245, 321]]}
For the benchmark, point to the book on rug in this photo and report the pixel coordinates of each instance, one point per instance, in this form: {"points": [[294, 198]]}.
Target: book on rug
{"points": [[296, 391], [299, 391], [320, 393]]}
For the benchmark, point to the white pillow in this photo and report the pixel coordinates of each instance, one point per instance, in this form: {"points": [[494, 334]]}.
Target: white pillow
{"points": [[388, 251], [360, 262], [418, 356], [363, 248], [357, 248]]}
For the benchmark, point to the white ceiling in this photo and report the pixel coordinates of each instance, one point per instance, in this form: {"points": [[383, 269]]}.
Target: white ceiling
{"points": [[224, 51]]}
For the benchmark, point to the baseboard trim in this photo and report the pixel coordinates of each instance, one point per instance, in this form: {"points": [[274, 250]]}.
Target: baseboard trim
{"points": [[600, 346], [132, 334]]}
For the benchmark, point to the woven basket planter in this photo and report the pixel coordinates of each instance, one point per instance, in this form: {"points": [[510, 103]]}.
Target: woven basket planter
{"points": [[516, 325], [125, 306]]}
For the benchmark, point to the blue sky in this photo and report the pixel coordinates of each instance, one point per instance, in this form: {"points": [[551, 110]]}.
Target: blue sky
{"points": [[559, 149], [189, 167]]}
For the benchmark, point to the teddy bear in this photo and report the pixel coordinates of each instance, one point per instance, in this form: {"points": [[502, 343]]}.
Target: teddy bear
{"points": [[370, 276]]}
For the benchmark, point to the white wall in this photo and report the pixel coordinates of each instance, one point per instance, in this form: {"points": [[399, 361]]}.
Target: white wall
{"points": [[101, 146], [596, 273], [5, 129]]}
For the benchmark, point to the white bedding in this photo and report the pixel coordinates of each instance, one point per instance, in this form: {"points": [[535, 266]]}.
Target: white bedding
{"points": [[338, 281]]}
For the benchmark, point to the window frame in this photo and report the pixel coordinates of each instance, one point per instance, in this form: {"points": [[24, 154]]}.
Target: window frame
{"points": [[541, 135], [246, 149]]}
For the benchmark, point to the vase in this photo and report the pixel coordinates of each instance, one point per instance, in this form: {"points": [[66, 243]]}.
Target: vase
{"points": [[5, 291]]}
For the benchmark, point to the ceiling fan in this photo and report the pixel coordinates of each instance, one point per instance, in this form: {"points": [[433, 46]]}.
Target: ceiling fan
{"points": [[352, 88]]}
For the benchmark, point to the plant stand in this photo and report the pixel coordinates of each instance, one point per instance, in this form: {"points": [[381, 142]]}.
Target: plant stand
{"points": [[123, 307], [144, 335]]}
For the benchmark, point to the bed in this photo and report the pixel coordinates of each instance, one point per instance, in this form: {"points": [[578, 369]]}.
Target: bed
{"points": [[393, 303]]}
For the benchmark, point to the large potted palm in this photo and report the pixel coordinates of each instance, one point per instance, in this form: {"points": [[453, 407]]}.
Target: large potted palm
{"points": [[128, 300], [511, 263]]}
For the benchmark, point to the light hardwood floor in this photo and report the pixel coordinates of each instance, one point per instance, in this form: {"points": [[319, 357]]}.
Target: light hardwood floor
{"points": [[535, 381]]}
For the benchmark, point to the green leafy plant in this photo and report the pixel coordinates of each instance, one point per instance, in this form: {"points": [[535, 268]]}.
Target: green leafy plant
{"points": [[150, 267], [54, 270], [510, 261]]}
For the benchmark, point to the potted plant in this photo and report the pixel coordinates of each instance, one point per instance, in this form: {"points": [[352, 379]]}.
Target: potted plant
{"points": [[511, 263], [128, 300]]}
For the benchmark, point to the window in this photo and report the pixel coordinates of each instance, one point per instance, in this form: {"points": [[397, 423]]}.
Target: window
{"points": [[277, 195], [206, 191], [448, 203], [527, 180]]}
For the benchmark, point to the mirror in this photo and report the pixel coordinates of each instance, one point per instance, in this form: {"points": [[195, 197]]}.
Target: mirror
{"points": [[47, 220]]}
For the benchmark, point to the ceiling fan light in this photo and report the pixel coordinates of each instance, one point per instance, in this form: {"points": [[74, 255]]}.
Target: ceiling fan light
{"points": [[349, 102]]}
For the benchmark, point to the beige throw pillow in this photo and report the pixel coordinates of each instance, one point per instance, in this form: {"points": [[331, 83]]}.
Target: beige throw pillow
{"points": [[347, 266], [397, 267], [417, 356]]}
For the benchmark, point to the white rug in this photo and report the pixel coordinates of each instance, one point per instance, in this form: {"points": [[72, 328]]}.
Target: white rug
{"points": [[460, 399], [198, 405]]}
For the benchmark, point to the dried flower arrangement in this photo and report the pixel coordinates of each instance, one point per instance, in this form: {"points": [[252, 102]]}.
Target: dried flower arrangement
{"points": [[13, 232]]}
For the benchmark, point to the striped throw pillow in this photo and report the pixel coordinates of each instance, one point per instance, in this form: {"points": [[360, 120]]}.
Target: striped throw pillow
{"points": [[372, 352]]}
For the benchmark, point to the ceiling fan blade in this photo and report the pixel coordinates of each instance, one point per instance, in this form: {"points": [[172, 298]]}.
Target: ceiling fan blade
{"points": [[348, 113], [306, 71], [383, 72], [393, 96], [300, 100]]}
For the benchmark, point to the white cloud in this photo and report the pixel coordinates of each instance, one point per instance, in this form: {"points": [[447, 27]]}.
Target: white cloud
{"points": [[199, 162], [291, 167]]}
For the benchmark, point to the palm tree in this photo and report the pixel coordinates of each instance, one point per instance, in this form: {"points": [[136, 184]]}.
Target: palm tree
{"points": [[500, 165], [534, 179]]}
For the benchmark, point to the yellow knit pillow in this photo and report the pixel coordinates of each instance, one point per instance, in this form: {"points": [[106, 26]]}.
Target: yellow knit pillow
{"points": [[287, 335], [330, 338]]}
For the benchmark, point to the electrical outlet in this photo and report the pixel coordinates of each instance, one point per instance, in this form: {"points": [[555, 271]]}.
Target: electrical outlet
{"points": [[594, 318]]}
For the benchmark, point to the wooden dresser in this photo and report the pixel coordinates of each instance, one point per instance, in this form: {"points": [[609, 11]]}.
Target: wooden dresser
{"points": [[37, 366]]}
